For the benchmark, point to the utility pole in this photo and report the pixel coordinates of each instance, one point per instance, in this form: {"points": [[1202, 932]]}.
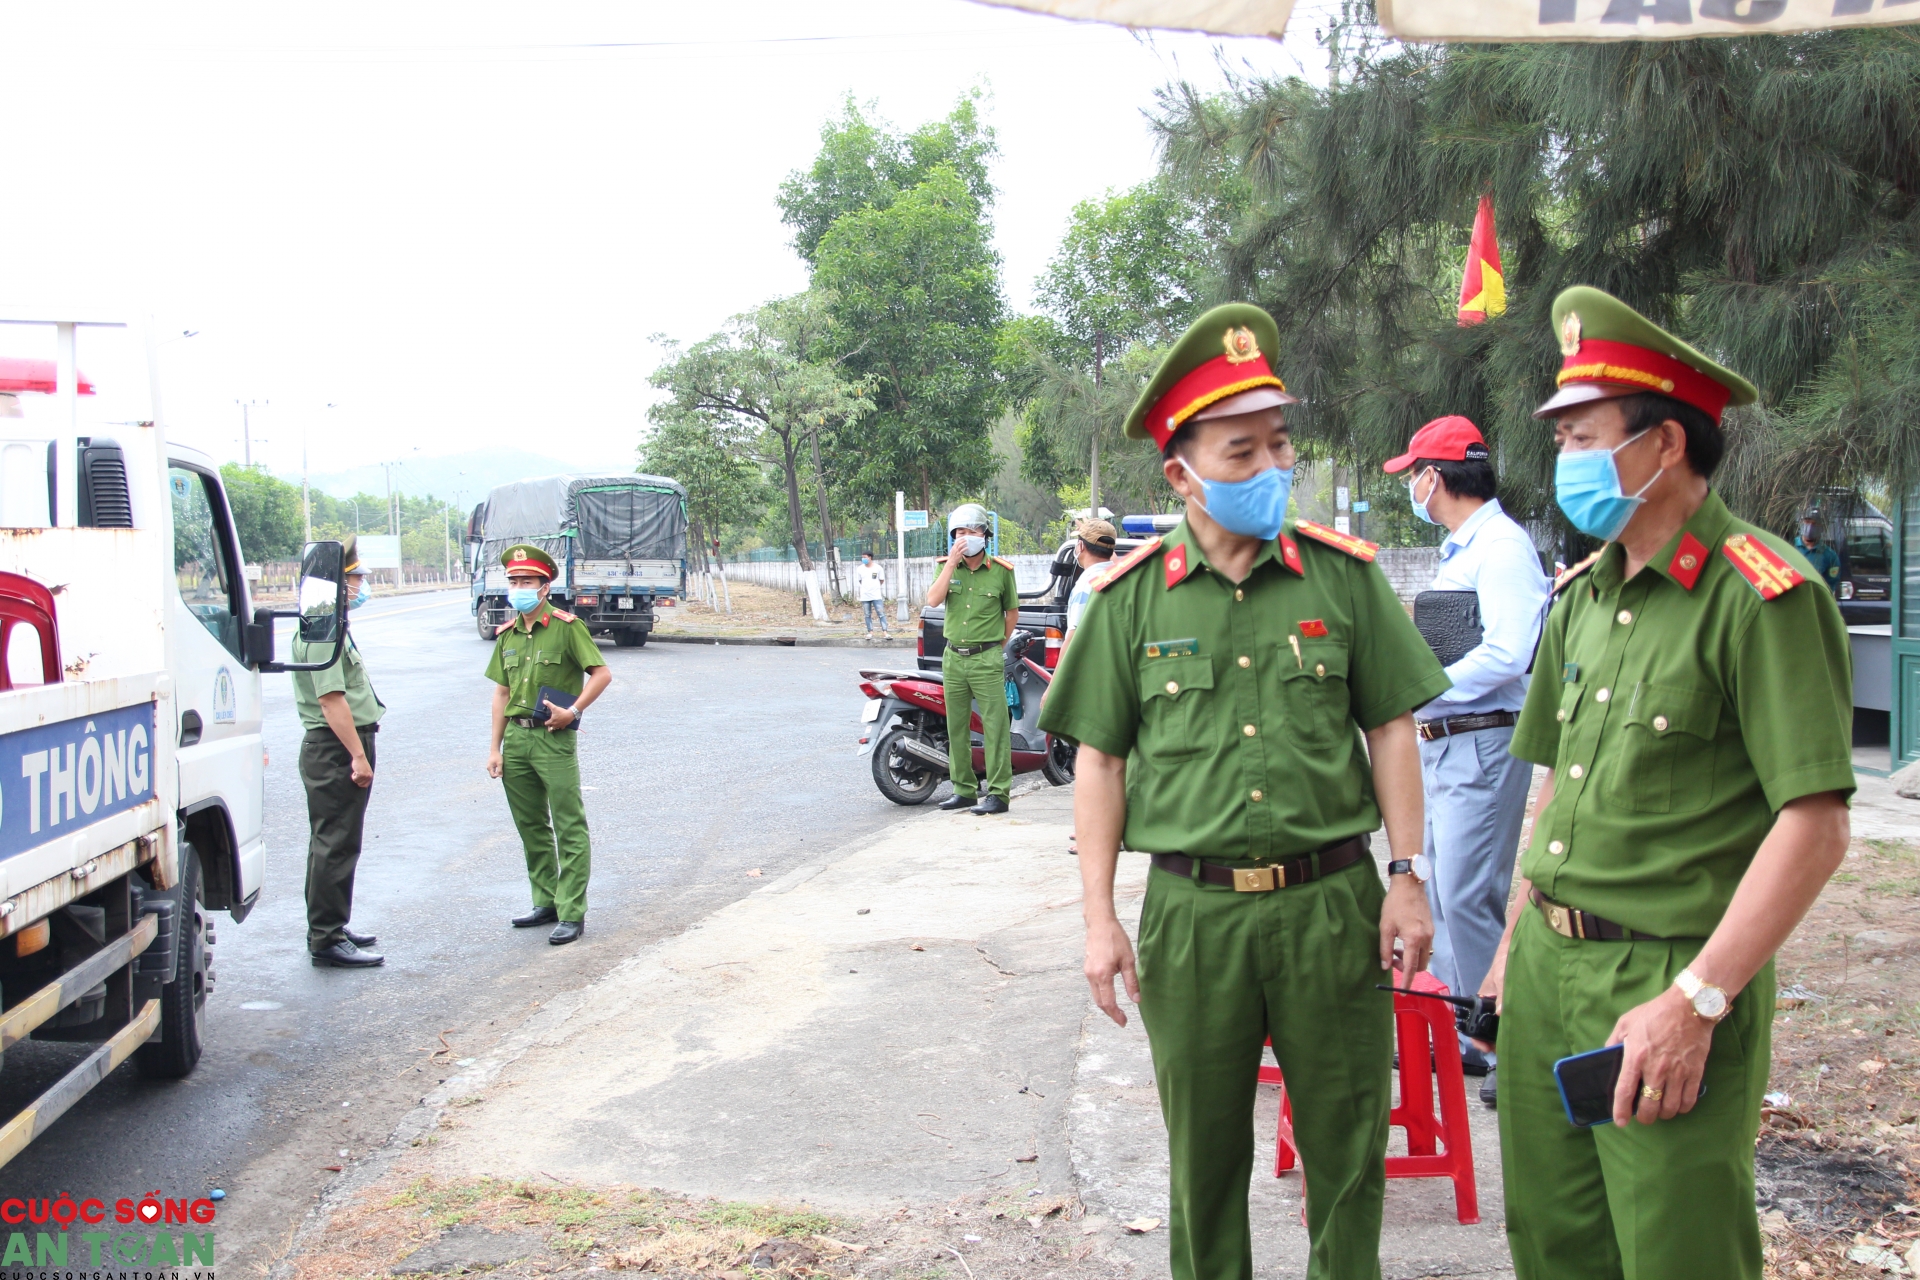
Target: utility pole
{"points": [[393, 521], [246, 428], [1093, 478]]}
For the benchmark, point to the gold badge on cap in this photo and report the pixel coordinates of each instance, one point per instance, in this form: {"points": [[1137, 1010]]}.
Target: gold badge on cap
{"points": [[1241, 345], [1570, 334]]}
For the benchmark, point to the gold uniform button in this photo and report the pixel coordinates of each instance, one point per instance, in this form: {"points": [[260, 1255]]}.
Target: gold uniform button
{"points": [[1601, 696], [1320, 668], [1555, 847], [1249, 731], [1246, 661], [1660, 723], [1577, 771], [1623, 617], [1239, 594], [1173, 686], [1259, 795]]}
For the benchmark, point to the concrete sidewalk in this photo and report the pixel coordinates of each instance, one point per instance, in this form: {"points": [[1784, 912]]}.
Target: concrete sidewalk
{"points": [[903, 1024]]}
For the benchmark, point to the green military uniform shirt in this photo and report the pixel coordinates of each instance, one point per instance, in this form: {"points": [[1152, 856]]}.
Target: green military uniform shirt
{"points": [[1678, 719], [555, 650], [977, 603], [348, 676], [1242, 706]]}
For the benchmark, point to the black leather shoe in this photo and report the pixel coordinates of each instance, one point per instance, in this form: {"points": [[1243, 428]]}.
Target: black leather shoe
{"points": [[1473, 1062], [360, 939], [989, 804], [1489, 1094], [567, 931], [537, 916], [956, 801], [344, 955]]}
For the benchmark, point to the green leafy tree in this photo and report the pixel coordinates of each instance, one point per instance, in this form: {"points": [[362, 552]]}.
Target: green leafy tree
{"points": [[913, 292], [714, 456], [266, 513]]}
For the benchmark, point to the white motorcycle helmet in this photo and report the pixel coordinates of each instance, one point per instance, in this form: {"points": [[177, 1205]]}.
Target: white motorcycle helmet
{"points": [[968, 515]]}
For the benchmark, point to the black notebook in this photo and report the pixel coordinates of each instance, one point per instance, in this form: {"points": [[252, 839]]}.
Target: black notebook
{"points": [[559, 698], [1449, 621]]}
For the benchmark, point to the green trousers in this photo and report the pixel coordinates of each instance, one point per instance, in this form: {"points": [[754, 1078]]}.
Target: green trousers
{"points": [[981, 678], [1220, 971], [1640, 1202], [336, 818], [541, 771]]}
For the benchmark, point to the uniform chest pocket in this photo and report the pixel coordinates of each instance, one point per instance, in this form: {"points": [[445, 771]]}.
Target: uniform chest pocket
{"points": [[1314, 698], [1662, 756], [1176, 706]]}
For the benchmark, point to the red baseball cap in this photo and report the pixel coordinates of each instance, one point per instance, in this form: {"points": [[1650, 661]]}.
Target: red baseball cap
{"points": [[1449, 439]]}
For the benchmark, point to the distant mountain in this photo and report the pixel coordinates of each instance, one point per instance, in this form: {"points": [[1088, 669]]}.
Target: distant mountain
{"points": [[467, 476]]}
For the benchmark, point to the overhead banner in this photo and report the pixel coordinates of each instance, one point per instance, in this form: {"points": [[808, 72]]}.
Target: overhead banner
{"points": [[1501, 20]]}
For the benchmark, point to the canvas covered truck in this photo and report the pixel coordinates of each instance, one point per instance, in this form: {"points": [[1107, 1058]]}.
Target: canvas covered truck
{"points": [[620, 542], [132, 769]]}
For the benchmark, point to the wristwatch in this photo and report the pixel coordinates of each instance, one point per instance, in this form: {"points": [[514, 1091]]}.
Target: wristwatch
{"points": [[1416, 866], [1709, 1001]]}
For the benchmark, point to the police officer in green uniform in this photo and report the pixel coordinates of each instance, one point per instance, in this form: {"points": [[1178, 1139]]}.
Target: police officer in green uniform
{"points": [[535, 748], [341, 714], [1228, 685], [1812, 544], [983, 607], [1692, 698]]}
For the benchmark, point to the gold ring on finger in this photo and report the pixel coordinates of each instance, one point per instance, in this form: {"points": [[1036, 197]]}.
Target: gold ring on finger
{"points": [[1651, 1094]]}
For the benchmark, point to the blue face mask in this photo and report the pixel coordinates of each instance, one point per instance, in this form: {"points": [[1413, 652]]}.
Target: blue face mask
{"points": [[1586, 484], [1419, 507], [524, 599], [1255, 508], [360, 597]]}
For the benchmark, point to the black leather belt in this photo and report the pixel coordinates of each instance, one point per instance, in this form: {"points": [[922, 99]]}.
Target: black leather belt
{"points": [[968, 650], [525, 722], [1446, 728], [1571, 922], [1284, 874]]}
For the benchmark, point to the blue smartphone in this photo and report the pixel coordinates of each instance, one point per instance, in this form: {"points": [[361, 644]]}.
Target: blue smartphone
{"points": [[1587, 1081]]}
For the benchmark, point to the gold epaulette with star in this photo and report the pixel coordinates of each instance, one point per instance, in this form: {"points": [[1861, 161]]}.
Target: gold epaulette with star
{"points": [[1004, 563], [1358, 548], [563, 615], [1763, 567], [1574, 570], [1130, 561]]}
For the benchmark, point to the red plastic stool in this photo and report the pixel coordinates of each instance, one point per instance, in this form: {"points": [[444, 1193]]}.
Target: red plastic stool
{"points": [[1437, 1147]]}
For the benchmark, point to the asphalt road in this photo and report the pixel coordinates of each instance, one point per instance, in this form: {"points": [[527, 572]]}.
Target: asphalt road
{"points": [[701, 763]]}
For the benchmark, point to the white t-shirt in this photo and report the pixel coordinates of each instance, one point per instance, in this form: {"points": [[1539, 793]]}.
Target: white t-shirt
{"points": [[1083, 590], [870, 581]]}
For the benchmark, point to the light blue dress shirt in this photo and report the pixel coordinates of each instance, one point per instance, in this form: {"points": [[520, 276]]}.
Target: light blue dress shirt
{"points": [[1492, 556]]}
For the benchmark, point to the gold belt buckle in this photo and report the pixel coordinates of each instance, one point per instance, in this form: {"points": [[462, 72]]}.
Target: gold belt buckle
{"points": [[1557, 921], [1259, 879]]}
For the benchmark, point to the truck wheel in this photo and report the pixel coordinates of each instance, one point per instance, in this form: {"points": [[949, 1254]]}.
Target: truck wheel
{"points": [[183, 1002], [900, 777], [1058, 766], [480, 623], [629, 638]]}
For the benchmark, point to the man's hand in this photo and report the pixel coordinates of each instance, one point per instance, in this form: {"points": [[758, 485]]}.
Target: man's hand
{"points": [[494, 764], [554, 721], [1495, 985], [362, 772], [1667, 1045], [1109, 953], [1404, 916]]}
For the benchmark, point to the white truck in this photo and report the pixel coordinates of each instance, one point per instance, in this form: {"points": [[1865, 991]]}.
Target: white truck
{"points": [[132, 769]]}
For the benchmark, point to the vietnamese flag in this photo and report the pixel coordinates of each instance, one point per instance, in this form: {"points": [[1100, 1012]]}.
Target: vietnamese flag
{"points": [[1483, 291]]}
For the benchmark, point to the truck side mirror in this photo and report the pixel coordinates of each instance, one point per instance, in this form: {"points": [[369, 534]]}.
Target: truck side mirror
{"points": [[322, 608]]}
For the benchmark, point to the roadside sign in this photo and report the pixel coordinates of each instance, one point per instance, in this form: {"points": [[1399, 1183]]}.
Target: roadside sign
{"points": [[1361, 508], [379, 551], [913, 519]]}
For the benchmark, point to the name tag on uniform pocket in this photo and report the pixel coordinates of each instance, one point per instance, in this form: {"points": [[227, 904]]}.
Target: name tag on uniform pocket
{"points": [[1171, 648]]}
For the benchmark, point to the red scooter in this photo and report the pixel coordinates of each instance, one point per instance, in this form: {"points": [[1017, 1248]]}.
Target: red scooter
{"points": [[905, 727]]}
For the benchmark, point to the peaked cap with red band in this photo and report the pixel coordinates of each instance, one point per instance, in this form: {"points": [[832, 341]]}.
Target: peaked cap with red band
{"points": [[1611, 350], [1218, 368], [524, 557]]}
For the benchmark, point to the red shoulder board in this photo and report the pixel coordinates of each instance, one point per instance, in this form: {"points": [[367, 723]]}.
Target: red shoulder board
{"points": [[503, 628], [1689, 558], [1761, 566], [1573, 571], [563, 615], [1005, 564], [1358, 548], [1131, 560]]}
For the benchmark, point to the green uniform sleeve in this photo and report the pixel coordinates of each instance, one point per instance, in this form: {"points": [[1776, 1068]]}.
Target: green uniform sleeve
{"points": [[1393, 671], [496, 670], [1536, 739], [1793, 688], [1009, 592], [1095, 696], [581, 648]]}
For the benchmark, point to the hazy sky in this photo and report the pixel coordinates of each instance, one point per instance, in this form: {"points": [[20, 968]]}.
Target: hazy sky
{"points": [[460, 224]]}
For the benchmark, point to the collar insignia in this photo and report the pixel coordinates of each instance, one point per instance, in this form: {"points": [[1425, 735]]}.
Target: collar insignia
{"points": [[1688, 560], [1290, 555], [1176, 566]]}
